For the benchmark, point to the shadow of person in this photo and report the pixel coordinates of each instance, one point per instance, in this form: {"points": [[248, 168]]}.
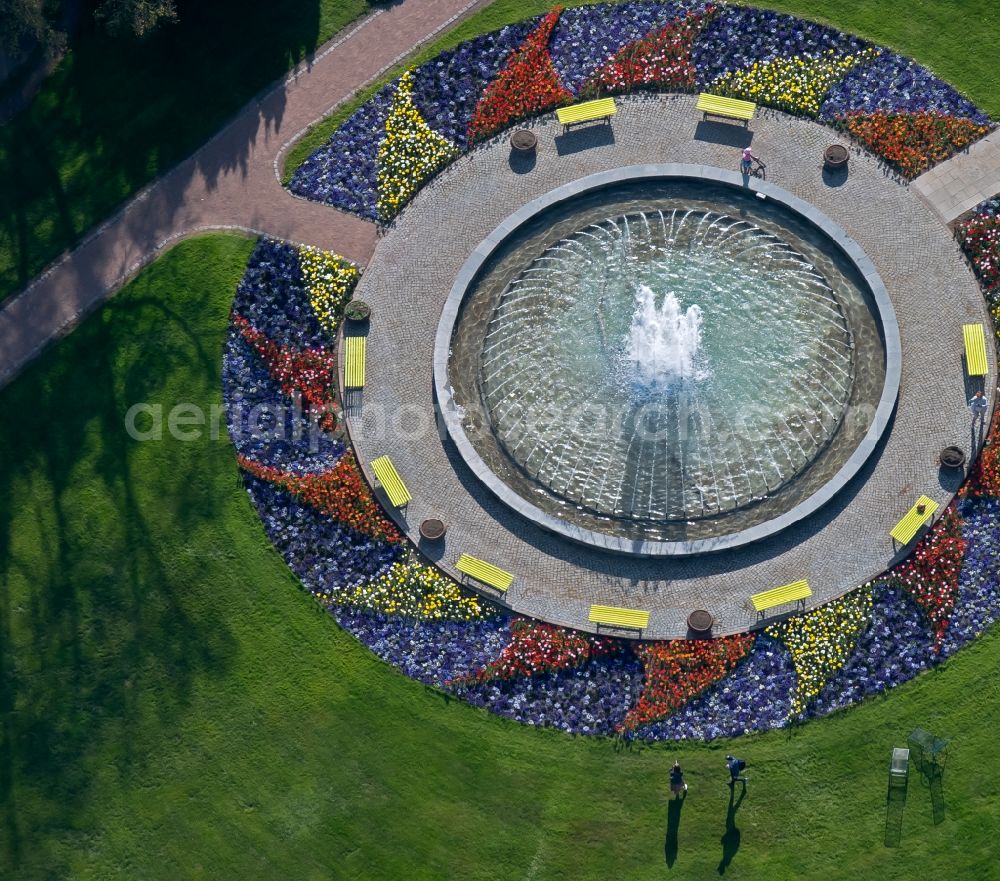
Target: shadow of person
{"points": [[731, 839], [673, 827]]}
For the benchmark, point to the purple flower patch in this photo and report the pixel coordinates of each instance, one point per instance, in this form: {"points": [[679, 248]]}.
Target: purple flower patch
{"points": [[264, 424], [978, 603], [273, 298], [891, 83], [343, 172], [756, 696], [591, 699], [898, 644], [741, 35], [432, 652], [324, 555], [447, 88]]}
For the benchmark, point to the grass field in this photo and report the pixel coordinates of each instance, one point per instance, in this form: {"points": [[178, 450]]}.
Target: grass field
{"points": [[117, 112], [173, 707], [957, 39]]}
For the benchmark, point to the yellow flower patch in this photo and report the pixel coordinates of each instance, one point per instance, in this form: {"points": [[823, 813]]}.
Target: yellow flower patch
{"points": [[410, 155], [820, 642], [415, 591], [796, 85], [329, 281]]}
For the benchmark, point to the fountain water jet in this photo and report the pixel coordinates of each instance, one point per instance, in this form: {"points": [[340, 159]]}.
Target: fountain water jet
{"points": [[663, 343]]}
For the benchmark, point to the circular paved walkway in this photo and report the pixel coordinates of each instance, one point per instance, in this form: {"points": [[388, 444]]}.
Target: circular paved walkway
{"points": [[840, 547]]}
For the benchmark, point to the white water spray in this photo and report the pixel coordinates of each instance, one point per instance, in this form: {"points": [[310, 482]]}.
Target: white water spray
{"points": [[663, 342]]}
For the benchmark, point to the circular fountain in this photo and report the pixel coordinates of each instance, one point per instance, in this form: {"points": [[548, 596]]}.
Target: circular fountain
{"points": [[667, 367]]}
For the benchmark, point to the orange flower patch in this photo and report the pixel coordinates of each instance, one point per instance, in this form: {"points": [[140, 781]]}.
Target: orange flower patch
{"points": [[340, 493], [527, 85], [912, 142], [678, 670]]}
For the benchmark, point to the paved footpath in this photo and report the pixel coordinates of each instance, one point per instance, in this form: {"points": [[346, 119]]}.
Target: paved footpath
{"points": [[230, 182], [965, 180]]}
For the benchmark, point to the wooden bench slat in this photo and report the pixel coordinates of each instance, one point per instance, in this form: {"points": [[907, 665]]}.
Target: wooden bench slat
{"points": [[588, 110], [354, 361], [634, 618], [391, 482], [718, 105], [909, 526], [778, 596], [485, 572], [975, 349]]}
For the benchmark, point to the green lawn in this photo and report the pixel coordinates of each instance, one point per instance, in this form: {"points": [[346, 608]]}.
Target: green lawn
{"points": [[117, 112], [957, 39], [173, 707]]}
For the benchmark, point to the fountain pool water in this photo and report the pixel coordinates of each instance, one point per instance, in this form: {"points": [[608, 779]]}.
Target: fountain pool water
{"points": [[666, 364]]}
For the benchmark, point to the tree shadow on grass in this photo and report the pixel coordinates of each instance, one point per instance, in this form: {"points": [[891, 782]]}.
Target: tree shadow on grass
{"points": [[119, 111], [100, 635]]}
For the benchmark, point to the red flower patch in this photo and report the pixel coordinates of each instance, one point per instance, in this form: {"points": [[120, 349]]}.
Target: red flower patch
{"points": [[678, 670], [980, 239], [661, 60], [340, 493], [930, 573], [912, 142], [984, 478], [536, 647], [527, 85], [309, 373]]}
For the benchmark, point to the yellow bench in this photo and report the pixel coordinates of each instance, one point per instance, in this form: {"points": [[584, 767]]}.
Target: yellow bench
{"points": [[617, 617], [391, 482], [731, 107], [975, 349], [354, 361], [909, 526], [796, 592], [485, 572], [602, 108]]}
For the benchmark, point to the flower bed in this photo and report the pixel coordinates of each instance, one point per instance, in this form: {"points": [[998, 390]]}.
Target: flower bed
{"points": [[320, 515], [912, 142], [930, 574], [538, 648], [980, 239], [660, 61], [414, 590], [820, 642], [796, 85], [895, 107], [677, 670], [410, 154], [588, 36], [527, 86]]}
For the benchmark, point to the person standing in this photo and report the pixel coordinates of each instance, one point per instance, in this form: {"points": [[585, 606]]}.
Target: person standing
{"points": [[979, 405], [677, 784], [736, 767], [746, 163]]}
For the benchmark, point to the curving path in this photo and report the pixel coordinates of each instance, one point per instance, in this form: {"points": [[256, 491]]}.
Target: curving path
{"points": [[231, 182]]}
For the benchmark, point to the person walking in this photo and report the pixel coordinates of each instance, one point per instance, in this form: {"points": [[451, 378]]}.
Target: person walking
{"points": [[979, 405], [736, 767], [677, 784]]}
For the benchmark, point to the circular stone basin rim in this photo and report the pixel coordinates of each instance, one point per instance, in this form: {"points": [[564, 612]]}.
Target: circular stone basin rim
{"points": [[474, 263]]}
